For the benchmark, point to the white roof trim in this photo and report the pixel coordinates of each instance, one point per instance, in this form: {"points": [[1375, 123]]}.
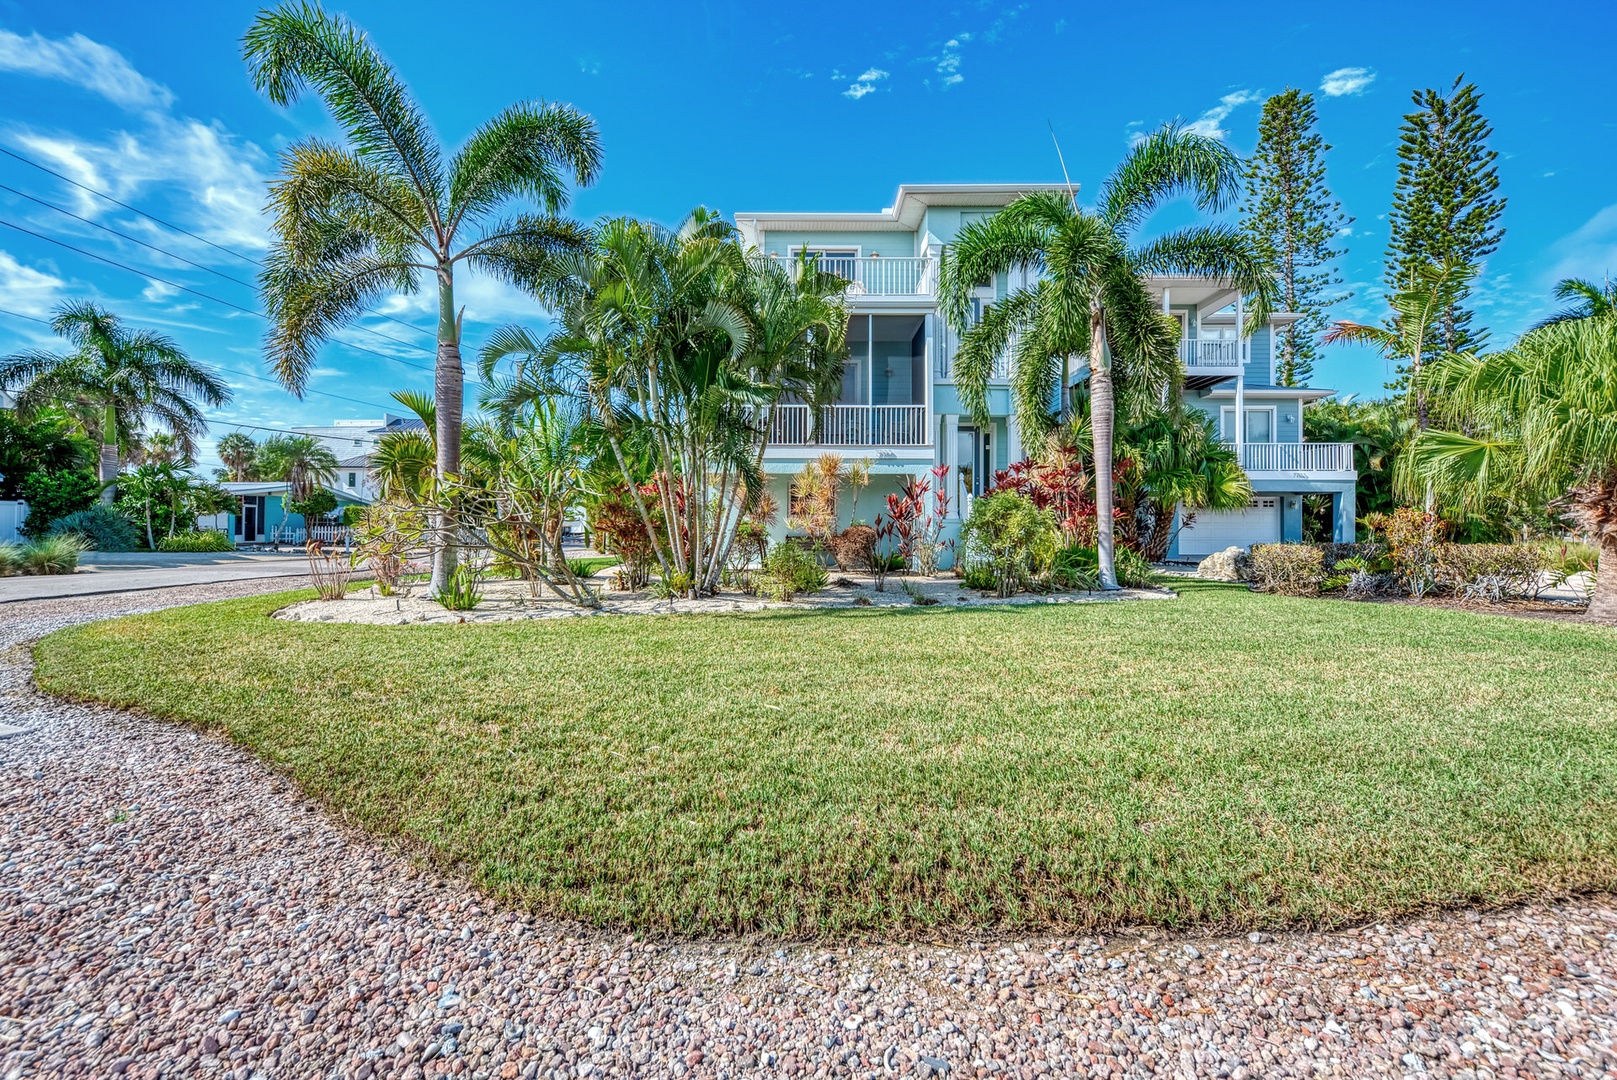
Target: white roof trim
{"points": [[1268, 393], [909, 206]]}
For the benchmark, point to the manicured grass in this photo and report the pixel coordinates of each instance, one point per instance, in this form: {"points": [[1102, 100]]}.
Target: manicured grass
{"points": [[1226, 757]]}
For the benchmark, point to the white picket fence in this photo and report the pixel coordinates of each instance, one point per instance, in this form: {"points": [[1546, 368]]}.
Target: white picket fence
{"points": [[12, 513]]}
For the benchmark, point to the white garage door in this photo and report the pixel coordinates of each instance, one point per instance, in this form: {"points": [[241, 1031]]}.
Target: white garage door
{"points": [[1215, 530]]}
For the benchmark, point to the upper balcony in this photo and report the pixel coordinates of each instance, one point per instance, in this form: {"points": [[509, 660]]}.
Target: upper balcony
{"points": [[850, 426], [1210, 360], [882, 276], [1296, 459]]}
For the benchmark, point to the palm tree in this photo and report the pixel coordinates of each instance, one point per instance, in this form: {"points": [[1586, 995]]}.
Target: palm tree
{"points": [[403, 461], [1417, 311], [353, 223], [681, 344], [1171, 459], [159, 448], [1537, 422], [238, 452], [1090, 304], [303, 461], [1589, 301], [118, 379]]}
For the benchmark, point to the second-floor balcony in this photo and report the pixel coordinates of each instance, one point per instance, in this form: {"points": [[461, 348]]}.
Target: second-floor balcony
{"points": [[850, 425], [1210, 356], [880, 275], [1298, 457]]}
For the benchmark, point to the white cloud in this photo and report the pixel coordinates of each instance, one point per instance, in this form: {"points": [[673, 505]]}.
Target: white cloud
{"points": [[1589, 251], [25, 290], [1348, 80], [1211, 122], [214, 182], [865, 84], [949, 62], [82, 62]]}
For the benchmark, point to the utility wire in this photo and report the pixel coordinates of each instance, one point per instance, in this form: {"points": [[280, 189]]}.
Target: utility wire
{"points": [[166, 224], [179, 258], [195, 292]]}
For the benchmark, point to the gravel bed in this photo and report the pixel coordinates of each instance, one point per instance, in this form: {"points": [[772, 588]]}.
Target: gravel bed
{"points": [[168, 907]]}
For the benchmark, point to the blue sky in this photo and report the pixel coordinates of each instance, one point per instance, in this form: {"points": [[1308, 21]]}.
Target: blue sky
{"points": [[755, 107]]}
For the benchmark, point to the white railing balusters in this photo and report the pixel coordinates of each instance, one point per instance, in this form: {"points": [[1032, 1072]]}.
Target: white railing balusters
{"points": [[1297, 457], [1210, 353], [877, 275], [850, 425]]}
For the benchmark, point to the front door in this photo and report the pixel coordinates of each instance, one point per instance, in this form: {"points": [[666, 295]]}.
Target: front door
{"points": [[975, 453], [252, 518]]}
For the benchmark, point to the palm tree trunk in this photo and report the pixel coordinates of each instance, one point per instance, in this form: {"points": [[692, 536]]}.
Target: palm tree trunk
{"points": [[448, 392], [1603, 604], [1102, 420], [109, 453]]}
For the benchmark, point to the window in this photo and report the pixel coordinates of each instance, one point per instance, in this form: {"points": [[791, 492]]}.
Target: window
{"points": [[1260, 424], [842, 261], [351, 479], [356, 442]]}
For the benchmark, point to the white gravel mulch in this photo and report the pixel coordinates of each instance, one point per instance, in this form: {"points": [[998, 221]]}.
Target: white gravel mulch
{"points": [[506, 600], [170, 908]]}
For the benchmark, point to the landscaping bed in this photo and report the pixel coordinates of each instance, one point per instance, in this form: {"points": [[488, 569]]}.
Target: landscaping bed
{"points": [[886, 770]]}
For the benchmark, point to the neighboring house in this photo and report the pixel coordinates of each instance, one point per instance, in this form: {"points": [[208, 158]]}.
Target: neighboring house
{"points": [[263, 517], [351, 442], [899, 407]]}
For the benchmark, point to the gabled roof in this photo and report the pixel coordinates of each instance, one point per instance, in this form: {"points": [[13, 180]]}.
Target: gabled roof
{"points": [[909, 206], [360, 462]]}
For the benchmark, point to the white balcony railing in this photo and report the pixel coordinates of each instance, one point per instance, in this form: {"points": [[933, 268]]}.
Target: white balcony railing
{"points": [[1206, 354], [877, 275], [850, 425], [1297, 457]]}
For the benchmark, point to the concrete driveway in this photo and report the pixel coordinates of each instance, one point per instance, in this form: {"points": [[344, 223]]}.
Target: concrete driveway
{"points": [[117, 572]]}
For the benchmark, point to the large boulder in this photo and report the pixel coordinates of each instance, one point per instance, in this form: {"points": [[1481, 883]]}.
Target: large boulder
{"points": [[1226, 565]]}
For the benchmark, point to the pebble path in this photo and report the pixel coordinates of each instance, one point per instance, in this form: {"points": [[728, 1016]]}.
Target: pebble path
{"points": [[169, 907]]}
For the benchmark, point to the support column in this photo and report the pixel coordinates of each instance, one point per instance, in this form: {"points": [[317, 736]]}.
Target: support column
{"points": [[1240, 411], [1347, 519]]}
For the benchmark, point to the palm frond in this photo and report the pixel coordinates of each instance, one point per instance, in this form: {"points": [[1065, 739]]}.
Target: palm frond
{"points": [[522, 152], [1169, 163]]}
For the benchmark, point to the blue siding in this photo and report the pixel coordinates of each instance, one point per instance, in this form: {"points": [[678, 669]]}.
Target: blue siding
{"points": [[885, 244], [1257, 360]]}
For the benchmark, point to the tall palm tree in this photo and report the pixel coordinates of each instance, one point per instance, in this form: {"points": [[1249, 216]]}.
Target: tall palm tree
{"points": [[116, 378], [1589, 301], [159, 448], [303, 461], [1538, 422], [1173, 459], [238, 452], [353, 223], [1089, 305]]}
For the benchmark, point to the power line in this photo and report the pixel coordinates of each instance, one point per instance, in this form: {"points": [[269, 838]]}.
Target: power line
{"points": [[166, 224], [195, 292], [20, 315], [178, 258], [250, 375]]}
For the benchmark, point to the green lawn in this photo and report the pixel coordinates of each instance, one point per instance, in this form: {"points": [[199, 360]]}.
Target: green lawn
{"points": [[1226, 757]]}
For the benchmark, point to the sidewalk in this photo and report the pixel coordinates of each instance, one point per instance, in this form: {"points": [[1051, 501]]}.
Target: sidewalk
{"points": [[117, 572]]}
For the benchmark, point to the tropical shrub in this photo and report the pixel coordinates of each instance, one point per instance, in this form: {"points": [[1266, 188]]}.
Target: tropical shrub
{"points": [[196, 540], [1076, 566], [10, 559], [1410, 535], [384, 538], [789, 571], [853, 547], [100, 527], [52, 555], [615, 520], [53, 494], [465, 588], [1133, 569], [1488, 573], [1287, 569], [313, 506], [980, 578], [1007, 533]]}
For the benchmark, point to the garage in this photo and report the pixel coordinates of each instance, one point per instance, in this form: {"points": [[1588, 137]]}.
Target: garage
{"points": [[1215, 530]]}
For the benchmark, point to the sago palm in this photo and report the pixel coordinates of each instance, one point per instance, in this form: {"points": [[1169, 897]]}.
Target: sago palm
{"points": [[1537, 422], [117, 379], [355, 222], [1089, 306]]}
